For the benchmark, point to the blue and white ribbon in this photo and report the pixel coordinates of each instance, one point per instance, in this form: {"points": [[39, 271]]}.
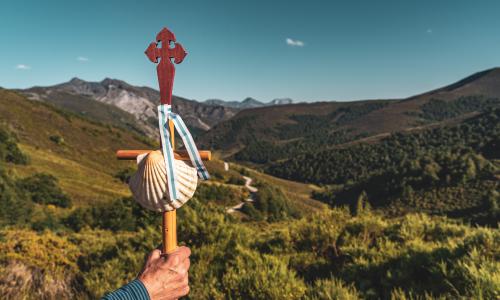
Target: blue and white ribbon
{"points": [[164, 114]]}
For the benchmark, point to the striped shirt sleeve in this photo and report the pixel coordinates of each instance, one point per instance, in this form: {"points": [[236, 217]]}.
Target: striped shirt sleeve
{"points": [[134, 290]]}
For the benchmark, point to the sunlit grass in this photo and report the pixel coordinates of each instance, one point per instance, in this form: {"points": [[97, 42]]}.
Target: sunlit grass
{"points": [[85, 185]]}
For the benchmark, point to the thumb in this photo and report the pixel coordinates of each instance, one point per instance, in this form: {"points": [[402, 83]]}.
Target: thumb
{"points": [[154, 255]]}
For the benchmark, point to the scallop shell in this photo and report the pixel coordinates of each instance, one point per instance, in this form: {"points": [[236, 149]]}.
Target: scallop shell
{"points": [[149, 183]]}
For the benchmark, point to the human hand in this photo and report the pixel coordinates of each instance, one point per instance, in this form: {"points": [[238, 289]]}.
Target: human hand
{"points": [[166, 277]]}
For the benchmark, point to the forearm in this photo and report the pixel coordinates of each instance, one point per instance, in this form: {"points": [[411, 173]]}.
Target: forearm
{"points": [[134, 290]]}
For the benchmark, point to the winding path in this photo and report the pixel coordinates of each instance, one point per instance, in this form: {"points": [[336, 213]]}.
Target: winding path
{"points": [[251, 189]]}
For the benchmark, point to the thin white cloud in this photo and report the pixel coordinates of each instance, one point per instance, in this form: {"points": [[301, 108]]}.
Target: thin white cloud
{"points": [[82, 58], [23, 67], [429, 31], [294, 43]]}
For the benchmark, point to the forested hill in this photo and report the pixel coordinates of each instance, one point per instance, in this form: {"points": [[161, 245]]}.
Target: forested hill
{"points": [[68, 231], [450, 170], [435, 152], [269, 134]]}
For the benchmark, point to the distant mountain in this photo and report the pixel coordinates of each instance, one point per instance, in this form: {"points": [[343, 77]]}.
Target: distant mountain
{"points": [[273, 133], [119, 103], [281, 101], [251, 103], [248, 103]]}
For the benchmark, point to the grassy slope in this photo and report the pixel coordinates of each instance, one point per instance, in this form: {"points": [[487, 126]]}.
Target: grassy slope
{"points": [[92, 109], [84, 163], [264, 123]]}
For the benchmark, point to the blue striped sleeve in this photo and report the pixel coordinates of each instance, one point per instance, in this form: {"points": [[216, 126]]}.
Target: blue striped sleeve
{"points": [[134, 290]]}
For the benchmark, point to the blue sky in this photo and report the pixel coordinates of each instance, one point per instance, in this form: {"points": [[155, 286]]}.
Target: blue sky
{"points": [[306, 50]]}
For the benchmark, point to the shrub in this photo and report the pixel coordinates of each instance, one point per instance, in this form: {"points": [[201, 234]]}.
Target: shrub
{"points": [[236, 180], [9, 151], [59, 140], [118, 215], [273, 203], [332, 289], [15, 206], [42, 188], [125, 174], [256, 276], [220, 194]]}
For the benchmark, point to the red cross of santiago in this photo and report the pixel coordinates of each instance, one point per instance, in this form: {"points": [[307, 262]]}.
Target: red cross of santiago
{"points": [[166, 69]]}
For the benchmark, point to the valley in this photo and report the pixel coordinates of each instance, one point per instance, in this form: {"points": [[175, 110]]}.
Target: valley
{"points": [[355, 199]]}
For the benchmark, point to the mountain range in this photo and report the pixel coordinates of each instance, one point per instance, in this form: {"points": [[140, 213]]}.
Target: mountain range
{"points": [[233, 126], [248, 103], [333, 124], [121, 104], [131, 107]]}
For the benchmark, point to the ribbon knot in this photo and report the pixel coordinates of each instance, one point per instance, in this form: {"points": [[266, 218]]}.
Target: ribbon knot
{"points": [[164, 114]]}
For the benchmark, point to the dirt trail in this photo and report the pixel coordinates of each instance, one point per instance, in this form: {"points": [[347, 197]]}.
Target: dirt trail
{"points": [[251, 189]]}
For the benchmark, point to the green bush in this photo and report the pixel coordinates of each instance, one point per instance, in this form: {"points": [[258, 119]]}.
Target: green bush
{"points": [[125, 174], [326, 255], [255, 276], [236, 180], [273, 203], [59, 140], [118, 215], [15, 206], [220, 194], [42, 188], [332, 289], [9, 151]]}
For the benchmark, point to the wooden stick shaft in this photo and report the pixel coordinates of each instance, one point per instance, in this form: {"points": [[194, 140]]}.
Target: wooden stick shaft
{"points": [[169, 223], [182, 155], [169, 228]]}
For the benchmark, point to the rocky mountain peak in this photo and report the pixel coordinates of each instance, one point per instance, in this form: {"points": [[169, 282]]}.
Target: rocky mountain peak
{"points": [[107, 82], [76, 80], [140, 102]]}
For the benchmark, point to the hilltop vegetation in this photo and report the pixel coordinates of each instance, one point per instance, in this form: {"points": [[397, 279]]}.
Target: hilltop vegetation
{"points": [[69, 228], [9, 151], [439, 110], [269, 134], [449, 170], [274, 134], [327, 255], [435, 152]]}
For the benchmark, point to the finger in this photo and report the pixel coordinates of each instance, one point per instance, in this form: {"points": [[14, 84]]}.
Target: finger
{"points": [[177, 257], [184, 266], [181, 267], [183, 252], [154, 255]]}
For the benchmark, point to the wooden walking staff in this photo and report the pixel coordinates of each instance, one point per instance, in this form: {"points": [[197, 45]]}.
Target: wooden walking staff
{"points": [[166, 73]]}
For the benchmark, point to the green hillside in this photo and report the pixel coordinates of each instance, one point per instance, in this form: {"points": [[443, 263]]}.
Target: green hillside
{"points": [[69, 230], [432, 152], [447, 170], [91, 109], [78, 152], [271, 134]]}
